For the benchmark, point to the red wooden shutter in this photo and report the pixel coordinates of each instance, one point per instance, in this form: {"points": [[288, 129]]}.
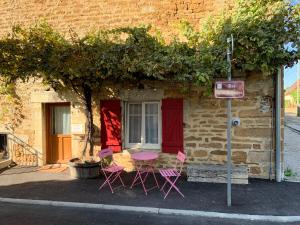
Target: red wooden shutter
{"points": [[110, 112], [172, 125]]}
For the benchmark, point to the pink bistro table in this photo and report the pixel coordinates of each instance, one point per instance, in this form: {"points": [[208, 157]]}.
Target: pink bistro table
{"points": [[144, 162]]}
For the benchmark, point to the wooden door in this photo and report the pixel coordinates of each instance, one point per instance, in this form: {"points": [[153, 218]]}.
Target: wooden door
{"points": [[58, 133]]}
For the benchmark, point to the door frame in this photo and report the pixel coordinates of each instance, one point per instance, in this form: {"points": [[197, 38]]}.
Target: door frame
{"points": [[48, 126]]}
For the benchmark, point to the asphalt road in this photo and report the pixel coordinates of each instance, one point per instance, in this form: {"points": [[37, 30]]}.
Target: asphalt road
{"points": [[17, 214]]}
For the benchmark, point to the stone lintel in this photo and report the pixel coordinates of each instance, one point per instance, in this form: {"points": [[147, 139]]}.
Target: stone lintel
{"points": [[46, 97]]}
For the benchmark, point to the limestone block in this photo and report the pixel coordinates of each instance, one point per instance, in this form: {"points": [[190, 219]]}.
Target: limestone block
{"points": [[217, 173], [254, 113], [211, 145], [200, 153], [258, 156], [256, 146], [218, 152], [46, 97], [192, 138], [239, 157], [252, 132], [240, 146], [255, 171], [219, 156], [219, 139]]}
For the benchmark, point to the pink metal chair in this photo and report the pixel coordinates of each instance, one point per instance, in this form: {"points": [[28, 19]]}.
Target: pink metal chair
{"points": [[171, 175], [111, 172]]}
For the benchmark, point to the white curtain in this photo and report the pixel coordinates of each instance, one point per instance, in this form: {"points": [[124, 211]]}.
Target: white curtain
{"points": [[61, 120], [151, 123], [135, 123]]}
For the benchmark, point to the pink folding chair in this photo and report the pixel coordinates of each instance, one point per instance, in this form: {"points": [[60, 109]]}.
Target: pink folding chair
{"points": [[111, 172], [171, 175]]}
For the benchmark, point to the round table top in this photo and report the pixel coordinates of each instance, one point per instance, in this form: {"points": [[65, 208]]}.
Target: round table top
{"points": [[144, 156]]}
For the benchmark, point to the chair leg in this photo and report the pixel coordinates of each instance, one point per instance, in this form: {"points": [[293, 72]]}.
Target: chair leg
{"points": [[173, 186], [134, 180], [121, 178], [104, 183], [115, 177], [155, 179], [145, 176], [107, 181], [163, 185], [142, 183]]}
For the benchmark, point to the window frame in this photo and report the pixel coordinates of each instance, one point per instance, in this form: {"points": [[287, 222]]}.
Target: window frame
{"points": [[143, 145]]}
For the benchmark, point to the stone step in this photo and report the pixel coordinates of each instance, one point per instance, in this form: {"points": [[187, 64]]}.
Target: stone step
{"points": [[5, 163], [217, 173]]}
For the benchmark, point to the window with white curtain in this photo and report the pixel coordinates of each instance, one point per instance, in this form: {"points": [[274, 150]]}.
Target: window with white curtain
{"points": [[143, 125], [61, 120]]}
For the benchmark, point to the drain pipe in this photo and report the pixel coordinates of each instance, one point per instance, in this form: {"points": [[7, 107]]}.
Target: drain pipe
{"points": [[278, 124], [272, 145]]}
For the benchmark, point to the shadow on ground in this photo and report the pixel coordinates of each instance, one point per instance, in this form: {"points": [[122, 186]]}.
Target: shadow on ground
{"points": [[258, 197]]}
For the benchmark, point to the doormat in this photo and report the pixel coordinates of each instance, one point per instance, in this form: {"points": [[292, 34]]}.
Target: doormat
{"points": [[56, 168]]}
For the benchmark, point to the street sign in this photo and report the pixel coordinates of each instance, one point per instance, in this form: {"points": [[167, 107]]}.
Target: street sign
{"points": [[230, 89]]}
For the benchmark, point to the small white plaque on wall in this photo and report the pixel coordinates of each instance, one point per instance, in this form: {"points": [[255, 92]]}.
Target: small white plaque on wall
{"points": [[77, 128]]}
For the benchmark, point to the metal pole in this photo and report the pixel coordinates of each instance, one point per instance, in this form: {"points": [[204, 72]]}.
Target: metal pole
{"points": [[229, 41], [298, 79], [278, 125]]}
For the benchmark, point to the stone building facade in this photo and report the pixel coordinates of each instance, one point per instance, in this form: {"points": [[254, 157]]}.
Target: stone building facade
{"points": [[204, 117]]}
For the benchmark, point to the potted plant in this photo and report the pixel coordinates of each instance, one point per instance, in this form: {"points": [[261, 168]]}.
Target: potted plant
{"points": [[86, 169]]}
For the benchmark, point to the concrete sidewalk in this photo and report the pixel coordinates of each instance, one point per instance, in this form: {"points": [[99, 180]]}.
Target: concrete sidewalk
{"points": [[292, 121], [257, 198], [291, 154]]}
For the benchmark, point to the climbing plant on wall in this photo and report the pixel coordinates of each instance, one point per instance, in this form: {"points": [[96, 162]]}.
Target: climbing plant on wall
{"points": [[261, 29], [11, 106], [266, 35]]}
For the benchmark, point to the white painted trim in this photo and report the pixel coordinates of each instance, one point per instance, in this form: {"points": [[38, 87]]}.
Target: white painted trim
{"points": [[143, 145], [153, 210]]}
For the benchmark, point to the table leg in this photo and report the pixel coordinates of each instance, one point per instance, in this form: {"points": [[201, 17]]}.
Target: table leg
{"points": [[155, 178], [142, 181], [134, 180], [143, 173]]}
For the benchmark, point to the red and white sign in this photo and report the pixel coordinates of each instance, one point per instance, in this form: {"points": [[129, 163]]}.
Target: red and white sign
{"points": [[230, 89]]}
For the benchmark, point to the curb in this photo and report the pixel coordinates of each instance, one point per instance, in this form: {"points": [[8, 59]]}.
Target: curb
{"points": [[293, 128], [159, 211]]}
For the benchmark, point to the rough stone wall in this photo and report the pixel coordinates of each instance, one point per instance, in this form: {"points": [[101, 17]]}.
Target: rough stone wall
{"points": [[29, 134], [205, 124], [83, 15], [252, 142], [205, 118], [19, 125]]}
